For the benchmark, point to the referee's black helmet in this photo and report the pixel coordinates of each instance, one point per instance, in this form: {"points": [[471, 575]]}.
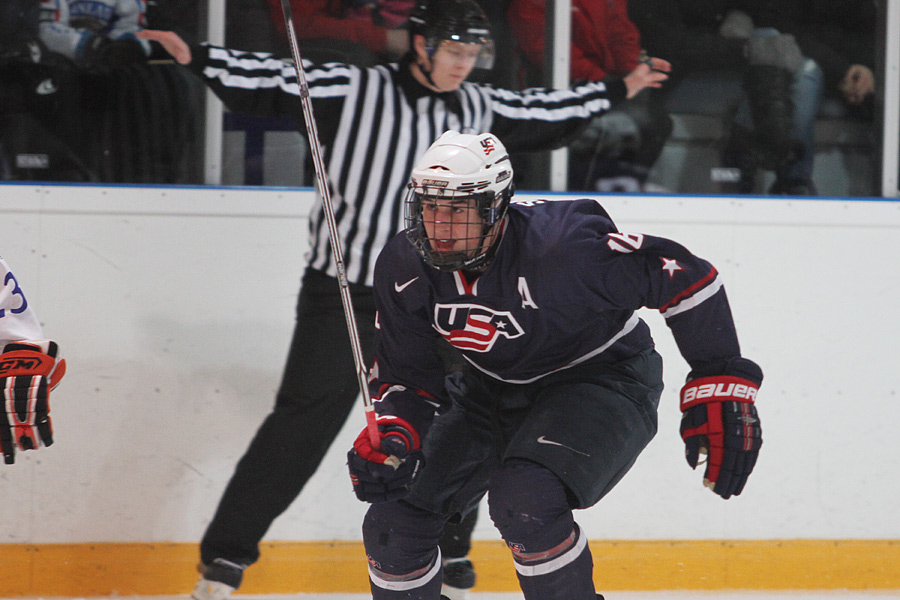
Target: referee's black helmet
{"points": [[453, 20]]}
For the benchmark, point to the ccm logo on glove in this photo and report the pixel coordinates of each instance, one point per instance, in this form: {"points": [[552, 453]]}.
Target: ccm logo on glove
{"points": [[17, 365]]}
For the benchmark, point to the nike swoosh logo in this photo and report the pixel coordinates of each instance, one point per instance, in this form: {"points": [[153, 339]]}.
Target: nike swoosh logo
{"points": [[543, 440], [400, 287]]}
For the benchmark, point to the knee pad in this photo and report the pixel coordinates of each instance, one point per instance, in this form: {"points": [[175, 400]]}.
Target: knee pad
{"points": [[399, 538], [529, 506], [402, 548]]}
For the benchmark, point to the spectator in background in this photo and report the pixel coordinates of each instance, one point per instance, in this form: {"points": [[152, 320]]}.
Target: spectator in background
{"points": [[369, 32], [840, 36], [363, 33], [18, 31], [67, 113], [37, 112], [95, 32], [741, 53], [619, 148]]}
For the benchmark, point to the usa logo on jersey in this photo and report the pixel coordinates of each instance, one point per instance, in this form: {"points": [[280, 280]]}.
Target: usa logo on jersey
{"points": [[474, 327]]}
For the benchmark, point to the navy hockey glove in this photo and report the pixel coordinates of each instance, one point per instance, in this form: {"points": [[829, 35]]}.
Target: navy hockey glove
{"points": [[385, 473], [720, 419], [28, 371]]}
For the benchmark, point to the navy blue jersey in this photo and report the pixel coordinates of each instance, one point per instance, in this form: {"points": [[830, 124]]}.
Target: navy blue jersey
{"points": [[562, 290]]}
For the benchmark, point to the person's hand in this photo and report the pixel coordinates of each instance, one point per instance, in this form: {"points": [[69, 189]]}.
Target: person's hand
{"points": [[172, 43], [858, 83], [28, 371], [720, 420], [651, 72], [385, 473]]}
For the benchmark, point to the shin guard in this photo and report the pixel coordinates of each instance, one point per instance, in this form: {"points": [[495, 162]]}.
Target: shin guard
{"points": [[402, 548], [529, 505]]}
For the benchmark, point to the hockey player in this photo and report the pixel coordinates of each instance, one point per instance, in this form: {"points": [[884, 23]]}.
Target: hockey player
{"points": [[373, 124], [29, 368], [540, 298]]}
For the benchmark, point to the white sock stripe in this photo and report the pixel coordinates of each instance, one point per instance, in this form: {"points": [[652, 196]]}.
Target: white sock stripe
{"points": [[557, 563], [228, 563], [406, 585]]}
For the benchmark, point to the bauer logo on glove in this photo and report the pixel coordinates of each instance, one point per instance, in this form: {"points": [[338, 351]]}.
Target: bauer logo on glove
{"points": [[717, 389]]}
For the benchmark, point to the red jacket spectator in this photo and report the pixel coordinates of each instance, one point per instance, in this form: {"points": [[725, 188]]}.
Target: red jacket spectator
{"points": [[330, 19], [604, 40]]}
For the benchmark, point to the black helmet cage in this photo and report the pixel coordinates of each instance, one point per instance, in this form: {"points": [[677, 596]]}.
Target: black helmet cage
{"points": [[453, 20], [491, 207]]}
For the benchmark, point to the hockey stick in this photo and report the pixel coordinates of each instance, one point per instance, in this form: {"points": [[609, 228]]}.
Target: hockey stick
{"points": [[336, 252]]}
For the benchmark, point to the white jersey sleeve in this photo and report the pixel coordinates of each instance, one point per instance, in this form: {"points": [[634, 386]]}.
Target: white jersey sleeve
{"points": [[18, 320], [68, 25], [57, 33]]}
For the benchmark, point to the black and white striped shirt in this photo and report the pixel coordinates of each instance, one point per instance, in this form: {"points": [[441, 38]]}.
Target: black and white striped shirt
{"points": [[375, 123]]}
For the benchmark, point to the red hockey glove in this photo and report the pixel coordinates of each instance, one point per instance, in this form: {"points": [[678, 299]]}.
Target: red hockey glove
{"points": [[387, 472], [28, 371], [720, 419]]}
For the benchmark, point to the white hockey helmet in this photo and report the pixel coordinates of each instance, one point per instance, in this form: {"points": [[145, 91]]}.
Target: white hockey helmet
{"points": [[461, 167]]}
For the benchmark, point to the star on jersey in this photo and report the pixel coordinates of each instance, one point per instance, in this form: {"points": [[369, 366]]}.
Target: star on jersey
{"points": [[671, 266]]}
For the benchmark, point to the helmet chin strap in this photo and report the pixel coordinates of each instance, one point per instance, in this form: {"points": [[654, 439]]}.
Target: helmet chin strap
{"points": [[427, 74]]}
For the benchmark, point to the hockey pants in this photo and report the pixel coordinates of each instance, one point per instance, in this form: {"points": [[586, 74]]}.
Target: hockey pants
{"points": [[530, 508], [538, 450]]}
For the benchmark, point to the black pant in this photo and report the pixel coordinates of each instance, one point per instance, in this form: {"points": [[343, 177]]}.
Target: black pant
{"points": [[318, 390]]}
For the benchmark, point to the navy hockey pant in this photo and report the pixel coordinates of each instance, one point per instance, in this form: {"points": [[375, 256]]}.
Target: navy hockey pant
{"points": [[530, 508], [539, 450]]}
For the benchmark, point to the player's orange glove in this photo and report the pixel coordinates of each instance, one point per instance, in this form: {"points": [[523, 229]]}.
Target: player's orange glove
{"points": [[28, 371]]}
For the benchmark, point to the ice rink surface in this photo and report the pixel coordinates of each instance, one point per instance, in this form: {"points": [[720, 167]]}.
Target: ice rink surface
{"points": [[656, 595], [665, 595]]}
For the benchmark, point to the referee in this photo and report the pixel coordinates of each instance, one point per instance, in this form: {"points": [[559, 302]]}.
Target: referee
{"points": [[373, 124]]}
